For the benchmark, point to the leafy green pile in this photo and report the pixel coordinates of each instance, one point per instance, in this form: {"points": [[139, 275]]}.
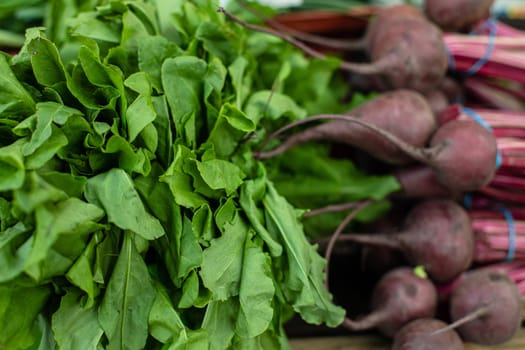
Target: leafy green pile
{"points": [[132, 213]]}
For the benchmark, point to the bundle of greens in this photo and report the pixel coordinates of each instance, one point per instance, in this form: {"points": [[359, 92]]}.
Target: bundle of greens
{"points": [[132, 212]]}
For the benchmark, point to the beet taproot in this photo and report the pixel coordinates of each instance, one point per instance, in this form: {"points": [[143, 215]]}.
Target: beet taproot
{"points": [[399, 297], [457, 15], [426, 334], [486, 307], [436, 234], [403, 113], [405, 49]]}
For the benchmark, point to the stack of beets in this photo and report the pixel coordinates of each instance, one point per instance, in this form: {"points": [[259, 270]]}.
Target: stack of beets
{"points": [[440, 152]]}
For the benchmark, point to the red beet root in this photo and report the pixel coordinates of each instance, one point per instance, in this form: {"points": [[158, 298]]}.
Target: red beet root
{"points": [[436, 234], [403, 113], [462, 153], [457, 15], [426, 334], [487, 307], [399, 297]]}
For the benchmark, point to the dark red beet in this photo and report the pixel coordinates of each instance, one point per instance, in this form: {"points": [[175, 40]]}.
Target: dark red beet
{"points": [[468, 146], [462, 153], [425, 334], [404, 113], [406, 49], [487, 305], [400, 296], [436, 234], [457, 15]]}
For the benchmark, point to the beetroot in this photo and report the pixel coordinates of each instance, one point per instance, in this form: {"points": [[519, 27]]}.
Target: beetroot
{"points": [[426, 334], [457, 15], [486, 307], [462, 153], [398, 297], [404, 113], [436, 234], [405, 48]]}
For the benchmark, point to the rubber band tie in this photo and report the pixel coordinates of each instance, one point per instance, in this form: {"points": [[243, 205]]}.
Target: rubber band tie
{"points": [[471, 113], [484, 59], [467, 200], [490, 47], [511, 252]]}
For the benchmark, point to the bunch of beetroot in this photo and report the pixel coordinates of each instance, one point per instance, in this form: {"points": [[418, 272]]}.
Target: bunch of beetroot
{"points": [[456, 165]]}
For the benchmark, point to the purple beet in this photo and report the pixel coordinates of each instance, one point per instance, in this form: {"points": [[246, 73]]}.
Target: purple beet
{"points": [[426, 334], [404, 113], [486, 307], [406, 50], [436, 234], [461, 153], [457, 15], [400, 296]]}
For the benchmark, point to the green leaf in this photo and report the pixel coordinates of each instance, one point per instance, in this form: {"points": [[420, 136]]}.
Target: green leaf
{"points": [[152, 52], [81, 272], [182, 79], [45, 59], [231, 126], [220, 272], [191, 254], [76, 326], [165, 323], [190, 291], [220, 174], [180, 182], [114, 192], [219, 323], [88, 25], [256, 292], [304, 287], [15, 101], [70, 217], [14, 250], [140, 112], [240, 81], [273, 105], [19, 308], [252, 193], [12, 170], [125, 308]]}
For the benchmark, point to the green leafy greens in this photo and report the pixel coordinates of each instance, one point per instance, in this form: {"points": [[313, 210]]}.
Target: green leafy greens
{"points": [[132, 212]]}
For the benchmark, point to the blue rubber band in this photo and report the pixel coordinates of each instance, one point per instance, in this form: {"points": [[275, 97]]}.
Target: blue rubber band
{"points": [[451, 62], [490, 48], [511, 252], [471, 113], [467, 200]]}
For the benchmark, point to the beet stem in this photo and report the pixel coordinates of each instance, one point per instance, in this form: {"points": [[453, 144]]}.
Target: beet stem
{"points": [[423, 155]]}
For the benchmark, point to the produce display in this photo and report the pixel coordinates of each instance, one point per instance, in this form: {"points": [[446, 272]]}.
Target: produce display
{"points": [[179, 175]]}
